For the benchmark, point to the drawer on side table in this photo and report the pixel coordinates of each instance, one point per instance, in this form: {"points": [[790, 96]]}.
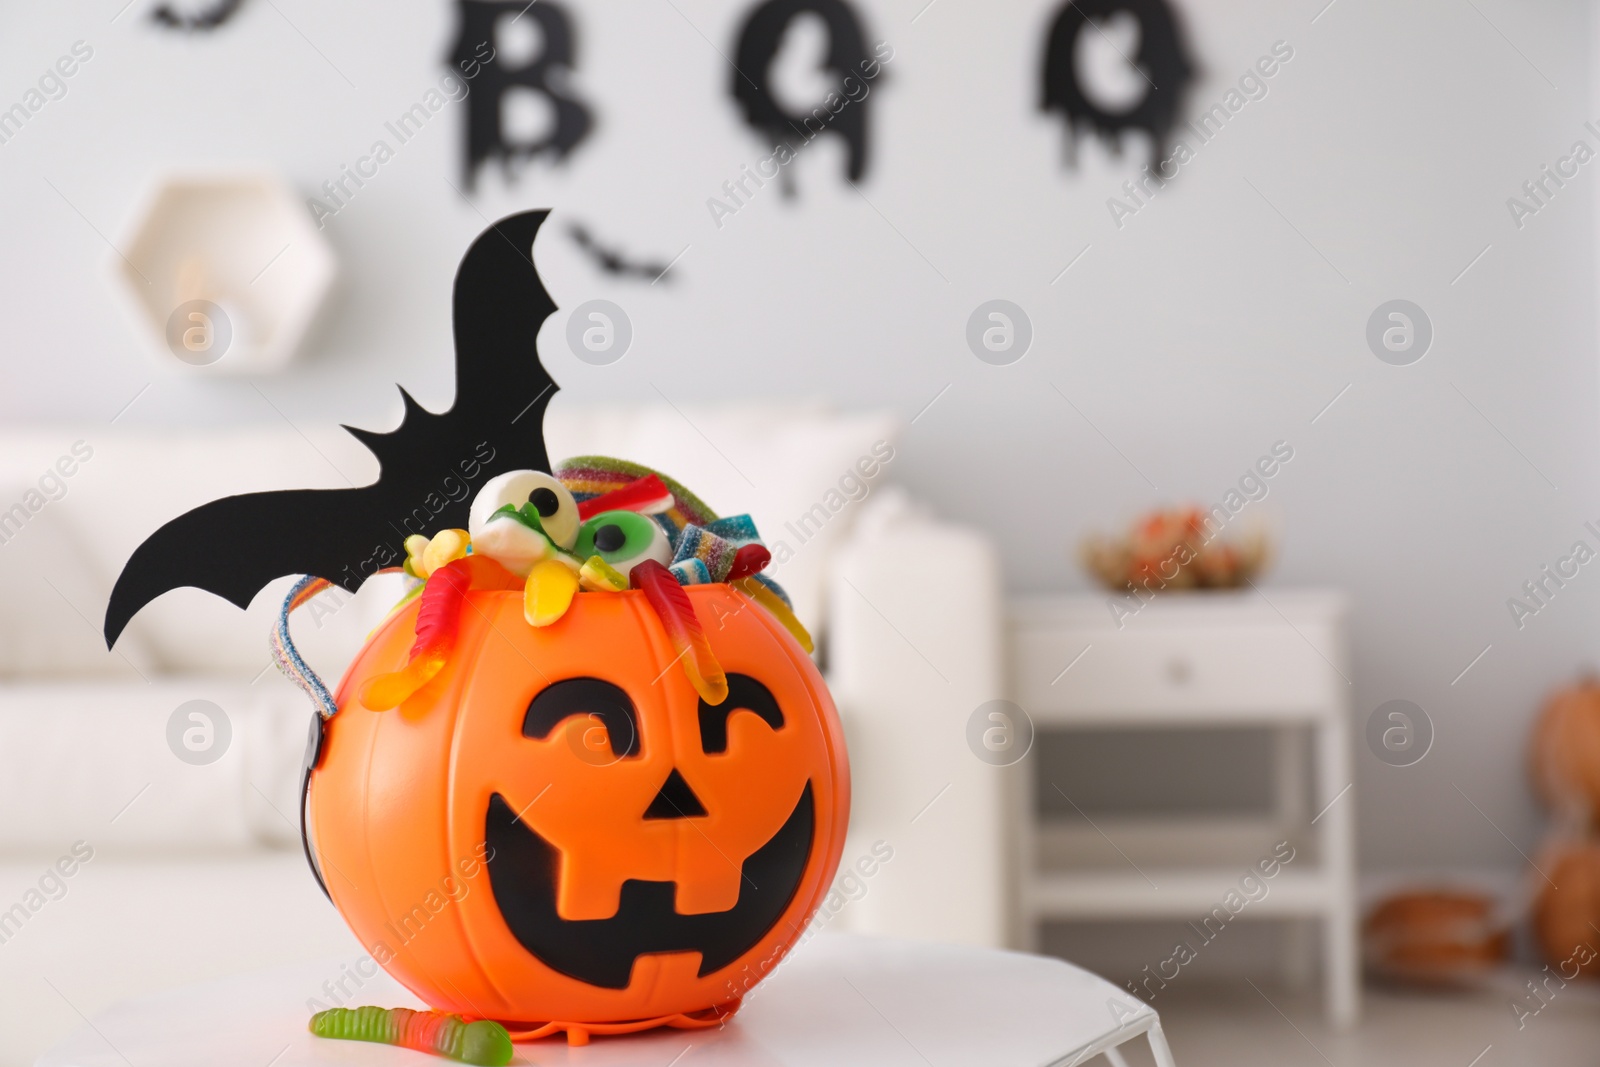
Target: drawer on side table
{"points": [[1250, 671]]}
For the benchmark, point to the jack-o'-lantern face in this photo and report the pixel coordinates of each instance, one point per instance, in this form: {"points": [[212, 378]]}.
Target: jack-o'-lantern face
{"points": [[564, 898], [646, 853]]}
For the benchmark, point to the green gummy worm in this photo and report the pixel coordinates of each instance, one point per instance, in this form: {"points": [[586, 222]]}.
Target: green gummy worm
{"points": [[483, 1043]]}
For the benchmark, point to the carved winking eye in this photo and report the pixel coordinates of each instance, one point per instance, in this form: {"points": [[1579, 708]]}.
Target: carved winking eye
{"points": [[609, 709], [746, 694]]}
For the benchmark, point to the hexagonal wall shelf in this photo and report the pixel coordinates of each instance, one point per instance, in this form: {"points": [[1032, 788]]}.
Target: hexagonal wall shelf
{"points": [[224, 272]]}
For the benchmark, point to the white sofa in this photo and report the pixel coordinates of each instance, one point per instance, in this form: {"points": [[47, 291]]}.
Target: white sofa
{"points": [[194, 871]]}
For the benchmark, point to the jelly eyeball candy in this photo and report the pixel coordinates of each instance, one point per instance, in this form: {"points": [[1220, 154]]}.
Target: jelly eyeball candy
{"points": [[521, 517], [511, 542], [539, 499], [623, 539]]}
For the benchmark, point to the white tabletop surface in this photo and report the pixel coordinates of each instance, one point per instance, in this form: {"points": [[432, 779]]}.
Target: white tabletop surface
{"points": [[839, 1000]]}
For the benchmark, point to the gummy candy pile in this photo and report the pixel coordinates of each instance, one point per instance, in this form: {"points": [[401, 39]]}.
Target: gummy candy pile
{"points": [[596, 525]]}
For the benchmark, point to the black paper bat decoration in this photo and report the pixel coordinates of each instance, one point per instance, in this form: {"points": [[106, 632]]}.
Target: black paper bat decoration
{"points": [[431, 464], [612, 261]]}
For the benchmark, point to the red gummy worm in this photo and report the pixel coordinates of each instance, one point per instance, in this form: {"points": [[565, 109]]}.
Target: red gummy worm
{"points": [[439, 616], [678, 619]]}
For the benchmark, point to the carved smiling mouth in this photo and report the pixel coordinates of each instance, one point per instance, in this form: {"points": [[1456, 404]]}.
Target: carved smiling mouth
{"points": [[600, 952]]}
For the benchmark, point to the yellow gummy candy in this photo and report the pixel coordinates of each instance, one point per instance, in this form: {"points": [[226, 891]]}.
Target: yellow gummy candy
{"points": [[416, 545], [598, 576], [548, 593], [446, 545]]}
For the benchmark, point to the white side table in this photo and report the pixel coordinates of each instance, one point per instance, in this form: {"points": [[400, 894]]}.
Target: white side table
{"points": [[838, 1001], [1214, 660]]}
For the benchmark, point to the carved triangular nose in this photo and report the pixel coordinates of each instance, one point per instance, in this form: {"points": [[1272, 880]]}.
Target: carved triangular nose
{"points": [[675, 800]]}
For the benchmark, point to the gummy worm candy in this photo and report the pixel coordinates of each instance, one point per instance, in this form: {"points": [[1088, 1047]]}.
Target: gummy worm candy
{"points": [[438, 619], [763, 595], [483, 1042], [683, 629], [750, 559], [438, 623]]}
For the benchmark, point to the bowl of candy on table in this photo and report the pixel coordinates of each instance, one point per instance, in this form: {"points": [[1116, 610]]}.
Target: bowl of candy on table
{"points": [[1177, 549]]}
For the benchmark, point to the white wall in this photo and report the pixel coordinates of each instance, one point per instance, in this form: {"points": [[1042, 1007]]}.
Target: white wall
{"points": [[1193, 338]]}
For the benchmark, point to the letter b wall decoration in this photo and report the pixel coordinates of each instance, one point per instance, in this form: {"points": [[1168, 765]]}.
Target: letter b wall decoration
{"points": [[494, 79], [758, 44]]}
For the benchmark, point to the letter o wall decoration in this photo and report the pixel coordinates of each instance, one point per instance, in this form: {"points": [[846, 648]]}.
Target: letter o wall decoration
{"points": [[1161, 58], [759, 40]]}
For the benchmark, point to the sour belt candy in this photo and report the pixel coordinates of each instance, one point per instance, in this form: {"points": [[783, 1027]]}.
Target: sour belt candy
{"points": [[716, 545], [691, 572], [590, 476], [648, 496]]}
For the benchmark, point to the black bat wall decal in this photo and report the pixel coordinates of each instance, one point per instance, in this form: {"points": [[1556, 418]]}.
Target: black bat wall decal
{"points": [[209, 19], [430, 464], [614, 262]]}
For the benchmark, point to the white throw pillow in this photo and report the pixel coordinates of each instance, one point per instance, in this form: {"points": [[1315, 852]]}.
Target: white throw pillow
{"points": [[53, 597], [796, 469], [99, 760]]}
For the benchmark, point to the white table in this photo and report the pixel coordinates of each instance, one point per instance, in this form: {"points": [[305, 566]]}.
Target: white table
{"points": [[1273, 659], [837, 1001]]}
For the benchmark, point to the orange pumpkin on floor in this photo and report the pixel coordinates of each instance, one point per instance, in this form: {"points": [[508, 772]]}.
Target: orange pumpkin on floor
{"points": [[1565, 753], [558, 828], [1567, 909]]}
